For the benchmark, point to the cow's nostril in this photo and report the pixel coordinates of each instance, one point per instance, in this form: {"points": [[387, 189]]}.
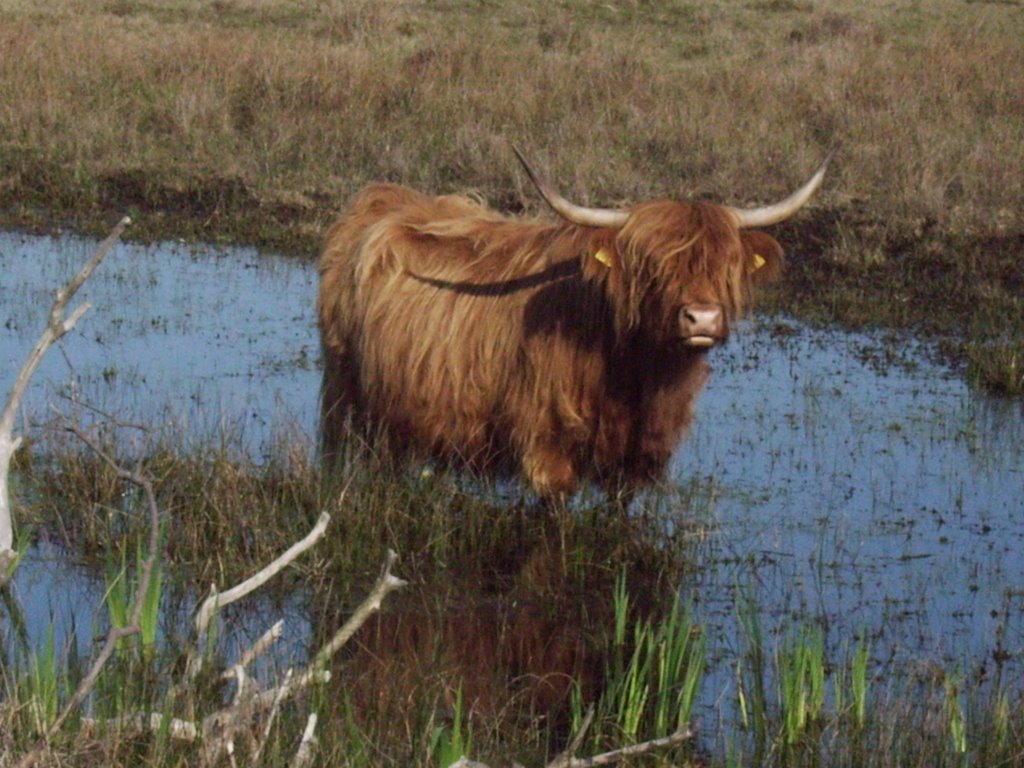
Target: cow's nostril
{"points": [[701, 320]]}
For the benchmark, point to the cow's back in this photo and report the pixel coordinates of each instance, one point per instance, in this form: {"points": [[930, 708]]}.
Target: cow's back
{"points": [[426, 363]]}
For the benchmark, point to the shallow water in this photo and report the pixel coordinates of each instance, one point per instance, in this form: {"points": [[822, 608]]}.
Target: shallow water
{"points": [[861, 496], [190, 338], [194, 341], [846, 479]]}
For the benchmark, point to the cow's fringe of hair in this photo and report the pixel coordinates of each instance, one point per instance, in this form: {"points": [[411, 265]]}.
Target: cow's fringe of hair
{"points": [[666, 244]]}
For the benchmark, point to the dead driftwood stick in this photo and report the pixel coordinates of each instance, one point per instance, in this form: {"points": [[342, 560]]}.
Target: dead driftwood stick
{"points": [[180, 730], [682, 734], [256, 650], [577, 741], [386, 583], [218, 600], [219, 730], [56, 327], [304, 754], [567, 759], [220, 727]]}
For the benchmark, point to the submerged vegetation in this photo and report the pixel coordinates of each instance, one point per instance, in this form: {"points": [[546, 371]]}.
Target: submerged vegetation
{"points": [[254, 120]]}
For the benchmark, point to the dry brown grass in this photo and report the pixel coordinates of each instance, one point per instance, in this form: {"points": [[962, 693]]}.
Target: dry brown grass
{"points": [[294, 105]]}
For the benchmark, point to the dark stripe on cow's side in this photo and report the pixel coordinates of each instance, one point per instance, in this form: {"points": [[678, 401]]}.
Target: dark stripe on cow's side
{"points": [[559, 271]]}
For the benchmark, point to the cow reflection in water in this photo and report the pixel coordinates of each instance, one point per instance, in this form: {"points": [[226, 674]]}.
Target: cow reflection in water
{"points": [[564, 351], [513, 636]]}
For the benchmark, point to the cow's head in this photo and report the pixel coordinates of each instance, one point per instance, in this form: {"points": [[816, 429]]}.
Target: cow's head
{"points": [[680, 271]]}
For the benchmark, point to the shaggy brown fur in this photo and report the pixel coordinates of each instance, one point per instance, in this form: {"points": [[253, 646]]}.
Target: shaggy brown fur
{"points": [[498, 342]]}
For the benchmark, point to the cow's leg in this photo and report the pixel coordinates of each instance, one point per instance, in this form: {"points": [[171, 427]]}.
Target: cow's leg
{"points": [[620, 493], [336, 401], [549, 471], [668, 413]]}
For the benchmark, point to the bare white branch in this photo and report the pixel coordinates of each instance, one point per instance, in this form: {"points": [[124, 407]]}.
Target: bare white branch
{"points": [[309, 677], [142, 723], [273, 715], [682, 734], [257, 649], [465, 762], [304, 754], [216, 600], [386, 584], [566, 759], [56, 327], [220, 727], [315, 672]]}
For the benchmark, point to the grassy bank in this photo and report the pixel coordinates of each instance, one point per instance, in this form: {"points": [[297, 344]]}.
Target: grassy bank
{"points": [[253, 121]]}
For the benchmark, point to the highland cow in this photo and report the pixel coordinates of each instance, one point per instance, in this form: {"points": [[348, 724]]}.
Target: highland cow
{"points": [[571, 350]]}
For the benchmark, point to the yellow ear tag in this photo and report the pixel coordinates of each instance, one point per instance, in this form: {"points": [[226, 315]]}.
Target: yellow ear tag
{"points": [[758, 262], [604, 257]]}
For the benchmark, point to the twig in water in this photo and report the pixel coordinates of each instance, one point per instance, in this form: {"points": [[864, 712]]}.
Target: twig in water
{"points": [[566, 759], [682, 734], [218, 600], [257, 649], [56, 327]]}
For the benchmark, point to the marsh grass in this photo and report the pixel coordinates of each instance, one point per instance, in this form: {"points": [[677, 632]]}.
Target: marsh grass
{"points": [[859, 682], [469, 548], [999, 366], [957, 723], [41, 687], [801, 671], [805, 701], [450, 742], [438, 675], [655, 668], [963, 291], [120, 595], [287, 108]]}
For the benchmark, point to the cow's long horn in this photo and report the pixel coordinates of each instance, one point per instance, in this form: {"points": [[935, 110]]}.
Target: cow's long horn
{"points": [[577, 214], [773, 214]]}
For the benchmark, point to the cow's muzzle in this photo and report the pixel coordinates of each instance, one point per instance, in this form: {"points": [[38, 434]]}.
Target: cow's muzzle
{"points": [[702, 325]]}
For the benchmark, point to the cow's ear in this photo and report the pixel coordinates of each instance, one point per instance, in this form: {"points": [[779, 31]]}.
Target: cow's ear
{"points": [[762, 254]]}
